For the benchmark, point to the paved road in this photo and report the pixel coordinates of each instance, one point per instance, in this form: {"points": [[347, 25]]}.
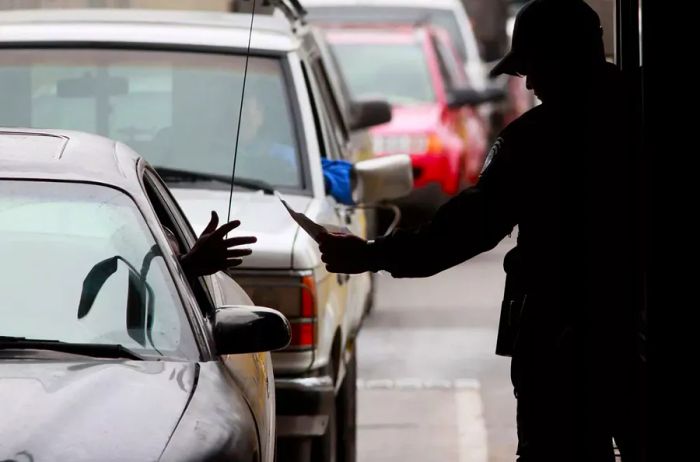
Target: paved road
{"points": [[431, 387]]}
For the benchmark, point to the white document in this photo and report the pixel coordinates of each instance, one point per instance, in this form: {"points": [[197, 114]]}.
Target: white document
{"points": [[312, 228], [307, 224]]}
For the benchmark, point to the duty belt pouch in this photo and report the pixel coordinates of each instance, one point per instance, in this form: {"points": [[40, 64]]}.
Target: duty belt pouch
{"points": [[509, 325], [511, 307]]}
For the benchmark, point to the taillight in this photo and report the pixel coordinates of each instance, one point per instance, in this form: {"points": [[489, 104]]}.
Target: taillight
{"points": [[303, 334], [434, 144], [293, 296]]}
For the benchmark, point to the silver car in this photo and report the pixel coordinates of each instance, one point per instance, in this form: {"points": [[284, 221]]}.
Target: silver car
{"points": [[107, 351]]}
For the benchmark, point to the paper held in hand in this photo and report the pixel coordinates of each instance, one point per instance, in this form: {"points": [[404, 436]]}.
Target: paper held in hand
{"points": [[312, 228]]}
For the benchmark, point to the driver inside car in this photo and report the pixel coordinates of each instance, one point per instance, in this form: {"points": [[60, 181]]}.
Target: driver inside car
{"points": [[260, 143]]}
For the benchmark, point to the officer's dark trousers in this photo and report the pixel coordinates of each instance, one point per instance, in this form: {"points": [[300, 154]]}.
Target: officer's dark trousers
{"points": [[552, 426], [564, 412]]}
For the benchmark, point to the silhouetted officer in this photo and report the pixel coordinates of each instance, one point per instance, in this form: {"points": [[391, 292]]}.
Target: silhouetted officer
{"points": [[562, 175]]}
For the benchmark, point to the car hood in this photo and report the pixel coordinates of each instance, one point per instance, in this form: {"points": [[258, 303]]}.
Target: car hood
{"points": [[261, 215], [409, 119], [91, 410]]}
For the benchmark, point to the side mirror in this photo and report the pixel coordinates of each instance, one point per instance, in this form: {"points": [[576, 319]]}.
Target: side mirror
{"points": [[369, 113], [250, 329], [383, 178], [460, 97]]}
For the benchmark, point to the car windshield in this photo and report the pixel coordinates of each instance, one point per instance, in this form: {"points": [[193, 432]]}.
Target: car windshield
{"points": [[78, 264], [179, 110], [437, 17], [396, 72], [223, 6]]}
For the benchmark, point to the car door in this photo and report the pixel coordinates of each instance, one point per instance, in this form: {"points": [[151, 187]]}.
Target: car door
{"points": [[355, 218], [251, 372], [344, 216]]}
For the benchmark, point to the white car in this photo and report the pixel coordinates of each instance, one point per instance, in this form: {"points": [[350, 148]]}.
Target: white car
{"points": [[449, 15], [169, 85]]}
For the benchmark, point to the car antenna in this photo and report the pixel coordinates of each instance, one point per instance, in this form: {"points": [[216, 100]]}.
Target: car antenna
{"points": [[240, 109]]}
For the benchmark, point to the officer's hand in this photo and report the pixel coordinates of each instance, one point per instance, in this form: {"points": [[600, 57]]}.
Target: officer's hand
{"points": [[344, 253], [212, 252]]}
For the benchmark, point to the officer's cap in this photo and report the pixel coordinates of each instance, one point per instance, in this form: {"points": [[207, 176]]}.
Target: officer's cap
{"points": [[554, 29]]}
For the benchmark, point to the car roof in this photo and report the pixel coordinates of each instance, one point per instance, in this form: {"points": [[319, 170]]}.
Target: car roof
{"points": [[432, 4], [271, 32], [62, 155], [369, 34]]}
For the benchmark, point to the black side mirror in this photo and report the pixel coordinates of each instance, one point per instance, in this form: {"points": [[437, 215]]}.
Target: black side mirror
{"points": [[460, 97], [369, 113], [250, 329]]}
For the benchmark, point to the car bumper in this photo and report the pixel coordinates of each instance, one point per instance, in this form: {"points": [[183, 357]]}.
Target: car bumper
{"points": [[435, 169], [292, 362], [303, 406]]}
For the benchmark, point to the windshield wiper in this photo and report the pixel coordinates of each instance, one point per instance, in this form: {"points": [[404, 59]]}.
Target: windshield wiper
{"points": [[174, 174], [258, 185], [96, 350]]}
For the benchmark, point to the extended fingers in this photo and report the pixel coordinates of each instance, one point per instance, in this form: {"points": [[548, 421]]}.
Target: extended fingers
{"points": [[243, 240], [238, 253], [233, 262], [213, 223], [227, 228]]}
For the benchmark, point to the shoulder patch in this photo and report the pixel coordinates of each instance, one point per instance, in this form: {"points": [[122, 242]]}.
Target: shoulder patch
{"points": [[495, 149]]}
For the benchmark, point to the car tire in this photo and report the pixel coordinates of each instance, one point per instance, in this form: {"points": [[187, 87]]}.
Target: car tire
{"points": [[324, 448], [346, 403]]}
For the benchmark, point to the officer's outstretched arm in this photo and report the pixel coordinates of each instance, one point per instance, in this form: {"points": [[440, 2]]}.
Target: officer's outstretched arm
{"points": [[472, 222], [467, 225]]}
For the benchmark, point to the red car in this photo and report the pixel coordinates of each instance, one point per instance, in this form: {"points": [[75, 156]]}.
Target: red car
{"points": [[434, 117]]}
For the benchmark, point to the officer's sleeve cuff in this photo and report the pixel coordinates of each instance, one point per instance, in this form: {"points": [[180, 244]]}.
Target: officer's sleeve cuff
{"points": [[377, 255]]}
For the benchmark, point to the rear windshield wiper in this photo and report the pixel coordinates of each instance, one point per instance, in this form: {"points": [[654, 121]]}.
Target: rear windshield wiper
{"points": [[174, 174], [96, 350]]}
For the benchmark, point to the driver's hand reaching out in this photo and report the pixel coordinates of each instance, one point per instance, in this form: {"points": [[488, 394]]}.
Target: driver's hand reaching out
{"points": [[213, 252]]}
